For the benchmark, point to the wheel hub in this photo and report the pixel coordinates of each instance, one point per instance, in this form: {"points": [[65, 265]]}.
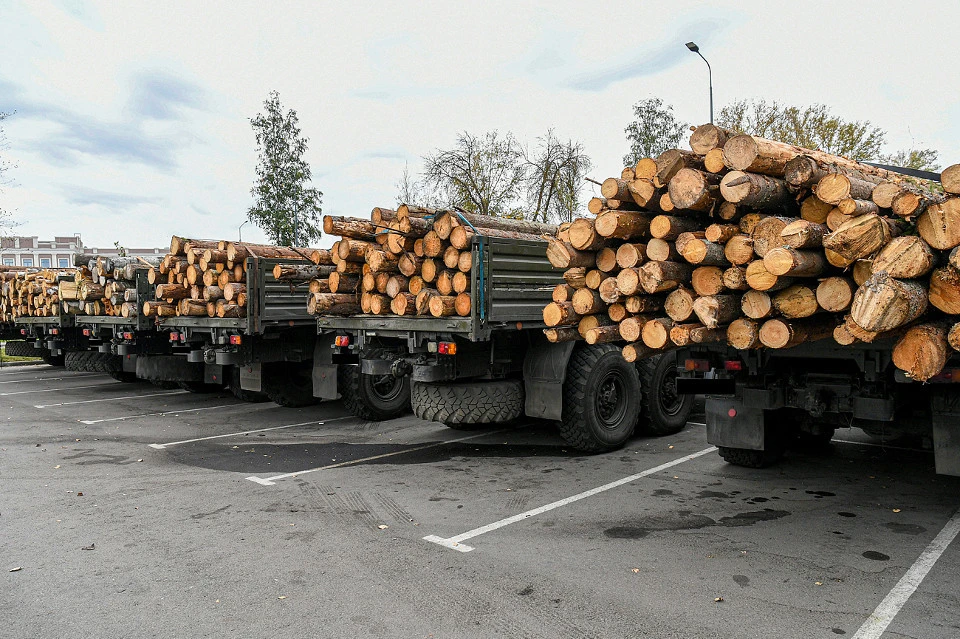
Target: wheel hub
{"points": [[611, 401]]}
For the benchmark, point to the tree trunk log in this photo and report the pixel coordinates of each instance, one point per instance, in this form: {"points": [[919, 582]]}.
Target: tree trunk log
{"points": [[606, 260], [735, 278], [667, 227], [603, 335], [721, 233], [694, 190], [564, 255], [300, 272], [679, 305], [834, 188], [905, 257], [630, 254], [883, 303], [461, 237], [859, 238], [333, 304], [702, 252], [353, 227], [739, 250], [796, 301], [923, 351], [944, 291], [662, 251], [631, 329], [563, 293], [232, 290], [342, 282], [939, 224], [608, 290], [622, 225], [708, 137], [782, 333], [767, 233], [760, 279], [555, 335], [743, 334], [755, 190], [756, 305], [802, 234], [587, 302], [707, 280], [835, 294], [784, 260], [713, 310], [852, 208], [656, 332], [575, 277], [583, 235], [656, 277], [560, 314]]}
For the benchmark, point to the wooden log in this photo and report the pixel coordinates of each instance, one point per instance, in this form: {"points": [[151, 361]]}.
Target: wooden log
{"points": [[760, 279], [643, 304], [679, 304], [432, 245], [298, 272], [785, 260], [617, 312], [603, 335], [662, 251], [239, 251], [884, 193], [409, 210], [564, 255], [563, 293], [590, 322], [350, 268], [379, 215], [656, 277], [656, 332], [950, 179], [713, 310], [708, 137], [629, 255], [317, 256], [575, 277], [396, 284], [379, 304], [615, 188], [707, 280], [451, 257], [694, 190], [833, 188], [232, 290], [884, 303], [192, 308], [631, 328], [606, 260], [507, 224], [416, 284], [342, 282], [671, 162], [802, 234], [666, 204], [583, 235], [796, 301], [351, 250], [381, 261], [593, 278], [409, 264], [351, 227], [743, 334], [404, 304], [858, 238], [735, 278], [667, 227], [423, 300], [608, 290], [911, 201], [702, 252], [628, 281], [813, 209], [923, 350], [163, 292], [555, 335], [645, 168], [622, 225], [461, 237], [739, 250], [953, 337], [636, 352], [836, 219], [851, 207], [445, 282], [178, 244], [643, 192], [939, 224], [835, 294], [418, 247], [748, 221], [755, 190], [767, 234], [587, 301], [905, 257], [560, 314], [783, 333], [757, 305], [333, 304], [397, 241], [944, 291], [721, 233], [443, 305]]}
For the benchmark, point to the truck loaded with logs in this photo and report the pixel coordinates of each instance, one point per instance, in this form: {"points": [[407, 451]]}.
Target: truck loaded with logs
{"points": [[441, 311], [801, 291], [231, 314]]}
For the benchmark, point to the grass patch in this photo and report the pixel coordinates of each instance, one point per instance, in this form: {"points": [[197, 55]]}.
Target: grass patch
{"points": [[4, 358]]}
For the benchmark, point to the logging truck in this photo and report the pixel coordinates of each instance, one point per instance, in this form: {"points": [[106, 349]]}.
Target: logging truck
{"points": [[493, 363], [261, 352]]}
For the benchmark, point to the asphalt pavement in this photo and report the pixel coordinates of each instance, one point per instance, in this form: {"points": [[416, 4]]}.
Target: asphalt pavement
{"points": [[132, 511]]}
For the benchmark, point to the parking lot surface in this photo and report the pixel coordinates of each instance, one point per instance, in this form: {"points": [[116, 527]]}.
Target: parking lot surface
{"points": [[129, 510]]}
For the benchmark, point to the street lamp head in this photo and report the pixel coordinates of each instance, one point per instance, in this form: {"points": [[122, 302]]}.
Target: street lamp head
{"points": [[693, 47]]}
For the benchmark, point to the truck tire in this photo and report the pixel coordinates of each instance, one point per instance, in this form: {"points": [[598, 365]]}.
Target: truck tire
{"points": [[373, 397], [233, 384], [288, 384], [468, 403], [601, 399], [749, 458], [200, 387], [20, 349], [77, 361], [665, 411], [53, 360]]}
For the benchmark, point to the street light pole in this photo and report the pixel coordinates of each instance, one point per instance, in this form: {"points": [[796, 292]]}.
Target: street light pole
{"points": [[693, 47], [239, 235]]}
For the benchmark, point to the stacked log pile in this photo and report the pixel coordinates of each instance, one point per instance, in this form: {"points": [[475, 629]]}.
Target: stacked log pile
{"points": [[207, 278], [31, 293], [412, 261], [762, 244], [104, 286]]}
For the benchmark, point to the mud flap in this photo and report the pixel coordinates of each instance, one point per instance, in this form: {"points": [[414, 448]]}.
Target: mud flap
{"points": [[544, 371], [250, 379], [738, 422], [946, 434]]}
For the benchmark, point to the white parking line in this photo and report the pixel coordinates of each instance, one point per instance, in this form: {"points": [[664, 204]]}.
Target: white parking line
{"points": [[109, 399], [880, 445], [877, 624], [247, 432], [46, 379], [456, 542], [51, 390], [169, 412], [272, 481]]}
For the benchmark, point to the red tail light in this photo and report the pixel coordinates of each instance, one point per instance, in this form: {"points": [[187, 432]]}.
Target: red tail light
{"points": [[733, 365]]}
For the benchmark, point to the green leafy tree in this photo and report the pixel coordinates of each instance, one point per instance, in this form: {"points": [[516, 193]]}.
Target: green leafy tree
{"points": [[921, 159], [7, 220], [285, 206], [654, 130], [812, 127], [555, 178], [481, 174]]}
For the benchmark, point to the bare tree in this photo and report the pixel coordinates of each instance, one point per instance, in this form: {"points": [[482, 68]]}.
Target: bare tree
{"points": [[413, 191], [555, 172], [481, 174], [7, 220]]}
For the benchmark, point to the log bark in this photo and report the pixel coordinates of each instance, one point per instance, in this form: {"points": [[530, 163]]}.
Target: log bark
{"points": [[564, 255], [671, 162], [239, 251], [883, 303], [352, 227], [164, 292], [409, 210], [397, 284], [668, 227], [911, 201], [923, 351], [563, 293], [583, 235], [461, 237], [856, 239], [587, 301], [589, 322], [603, 335], [622, 225], [803, 234], [349, 268], [352, 250], [616, 189], [379, 215], [852, 208], [555, 335], [835, 294], [643, 192], [785, 260], [782, 333], [300, 272], [721, 233], [707, 280], [755, 190], [342, 282], [506, 224], [713, 310], [833, 188], [635, 352], [333, 304], [382, 261], [233, 290], [702, 252], [708, 137], [644, 304]]}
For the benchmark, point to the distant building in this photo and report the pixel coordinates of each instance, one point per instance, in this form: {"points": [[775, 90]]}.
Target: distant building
{"points": [[58, 252]]}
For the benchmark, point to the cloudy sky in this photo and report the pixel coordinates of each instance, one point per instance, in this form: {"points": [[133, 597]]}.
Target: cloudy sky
{"points": [[132, 118]]}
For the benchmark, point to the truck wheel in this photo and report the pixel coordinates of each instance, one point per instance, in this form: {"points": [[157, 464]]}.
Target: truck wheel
{"points": [[288, 384], [467, 403], [126, 377], [601, 399], [77, 361], [244, 395], [53, 360], [665, 411], [373, 397], [750, 458], [20, 349], [199, 387]]}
